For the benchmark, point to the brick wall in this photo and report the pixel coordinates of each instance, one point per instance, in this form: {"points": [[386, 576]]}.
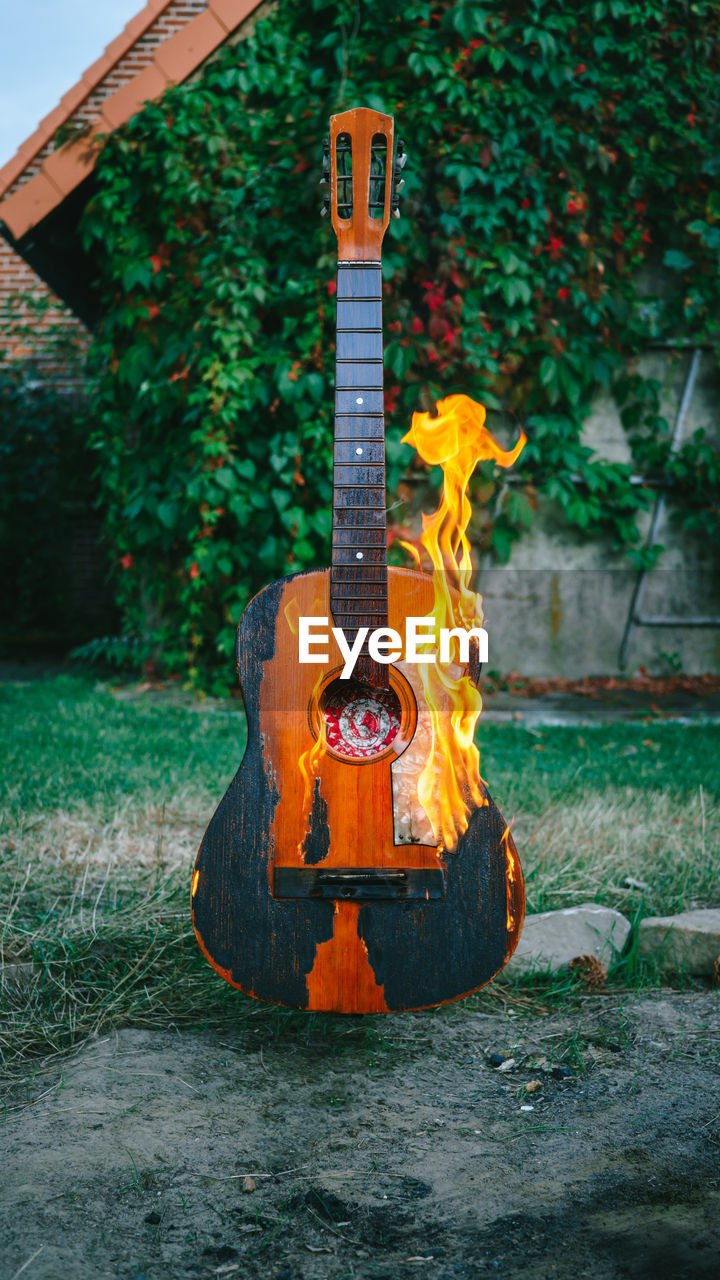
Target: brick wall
{"points": [[17, 278]]}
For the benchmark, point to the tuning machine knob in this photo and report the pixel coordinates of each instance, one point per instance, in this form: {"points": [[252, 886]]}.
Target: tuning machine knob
{"points": [[398, 180], [325, 179]]}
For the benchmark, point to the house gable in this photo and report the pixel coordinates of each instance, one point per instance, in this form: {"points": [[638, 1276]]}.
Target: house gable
{"points": [[45, 186]]}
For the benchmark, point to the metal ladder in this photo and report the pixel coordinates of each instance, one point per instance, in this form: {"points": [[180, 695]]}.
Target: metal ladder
{"points": [[635, 617]]}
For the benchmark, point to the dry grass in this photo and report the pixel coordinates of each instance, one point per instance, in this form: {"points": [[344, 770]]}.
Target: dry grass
{"points": [[139, 834], [101, 828], [585, 849], [100, 907]]}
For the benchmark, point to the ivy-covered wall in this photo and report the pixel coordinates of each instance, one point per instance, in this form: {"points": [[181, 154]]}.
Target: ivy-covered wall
{"points": [[557, 152]]}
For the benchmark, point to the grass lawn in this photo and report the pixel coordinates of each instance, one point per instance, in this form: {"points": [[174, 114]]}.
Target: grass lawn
{"points": [[106, 798]]}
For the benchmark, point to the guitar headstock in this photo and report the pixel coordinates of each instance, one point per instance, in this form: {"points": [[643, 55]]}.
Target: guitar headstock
{"points": [[364, 181]]}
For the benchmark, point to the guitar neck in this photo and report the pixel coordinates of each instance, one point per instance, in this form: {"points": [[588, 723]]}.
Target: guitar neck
{"points": [[358, 575]]}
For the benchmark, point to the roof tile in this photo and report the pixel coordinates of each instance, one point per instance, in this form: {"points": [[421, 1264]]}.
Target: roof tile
{"points": [[135, 26], [49, 123], [123, 104], [31, 202], [97, 70], [72, 99], [15, 165], [231, 12], [67, 166], [183, 52]]}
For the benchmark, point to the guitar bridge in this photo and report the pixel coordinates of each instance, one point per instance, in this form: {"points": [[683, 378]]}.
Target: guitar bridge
{"points": [[357, 884]]}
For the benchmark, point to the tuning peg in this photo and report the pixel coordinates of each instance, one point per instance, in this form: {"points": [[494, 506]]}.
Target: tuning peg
{"points": [[398, 181], [325, 161]]}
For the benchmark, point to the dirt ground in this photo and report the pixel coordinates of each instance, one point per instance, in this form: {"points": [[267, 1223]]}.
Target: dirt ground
{"points": [[377, 1148]]}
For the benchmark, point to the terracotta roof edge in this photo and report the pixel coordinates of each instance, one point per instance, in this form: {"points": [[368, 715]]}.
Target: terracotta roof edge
{"points": [[66, 167], [89, 80]]}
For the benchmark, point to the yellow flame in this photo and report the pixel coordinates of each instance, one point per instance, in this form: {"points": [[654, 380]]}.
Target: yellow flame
{"points": [[309, 760], [456, 439], [510, 877], [412, 549]]}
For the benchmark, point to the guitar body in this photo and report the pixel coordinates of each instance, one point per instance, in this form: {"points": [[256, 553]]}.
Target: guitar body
{"points": [[313, 897]]}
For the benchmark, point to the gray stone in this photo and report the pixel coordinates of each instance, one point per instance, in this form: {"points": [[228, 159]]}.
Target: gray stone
{"points": [[17, 976], [551, 939], [688, 942]]}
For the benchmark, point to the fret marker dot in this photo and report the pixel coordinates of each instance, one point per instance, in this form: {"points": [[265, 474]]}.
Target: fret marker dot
{"points": [[358, 555], [359, 400], [358, 451]]}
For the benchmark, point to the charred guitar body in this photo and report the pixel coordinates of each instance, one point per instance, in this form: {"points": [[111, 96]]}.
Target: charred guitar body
{"points": [[315, 905]]}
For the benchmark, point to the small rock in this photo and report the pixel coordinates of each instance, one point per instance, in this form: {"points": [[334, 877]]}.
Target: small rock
{"points": [[687, 942], [248, 1183], [507, 1065], [17, 976], [532, 1086], [495, 1059], [551, 939], [631, 883]]}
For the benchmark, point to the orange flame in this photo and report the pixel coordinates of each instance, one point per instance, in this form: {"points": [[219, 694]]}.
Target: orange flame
{"points": [[510, 877], [456, 439], [309, 760]]}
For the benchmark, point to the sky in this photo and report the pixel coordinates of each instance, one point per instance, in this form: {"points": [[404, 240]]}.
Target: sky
{"points": [[45, 45]]}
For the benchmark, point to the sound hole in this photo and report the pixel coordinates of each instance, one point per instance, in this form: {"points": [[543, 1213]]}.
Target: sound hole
{"points": [[360, 722], [378, 171], [343, 170]]}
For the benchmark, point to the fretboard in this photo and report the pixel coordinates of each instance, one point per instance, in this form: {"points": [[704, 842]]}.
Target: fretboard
{"points": [[358, 576]]}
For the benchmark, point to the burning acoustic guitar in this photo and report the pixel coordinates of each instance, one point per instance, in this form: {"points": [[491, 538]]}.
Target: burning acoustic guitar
{"points": [[357, 862]]}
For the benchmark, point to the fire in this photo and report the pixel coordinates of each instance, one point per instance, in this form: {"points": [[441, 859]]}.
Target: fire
{"points": [[510, 861], [450, 786], [309, 760]]}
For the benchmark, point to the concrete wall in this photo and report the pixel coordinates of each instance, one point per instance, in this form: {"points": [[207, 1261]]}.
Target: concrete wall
{"points": [[559, 607]]}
